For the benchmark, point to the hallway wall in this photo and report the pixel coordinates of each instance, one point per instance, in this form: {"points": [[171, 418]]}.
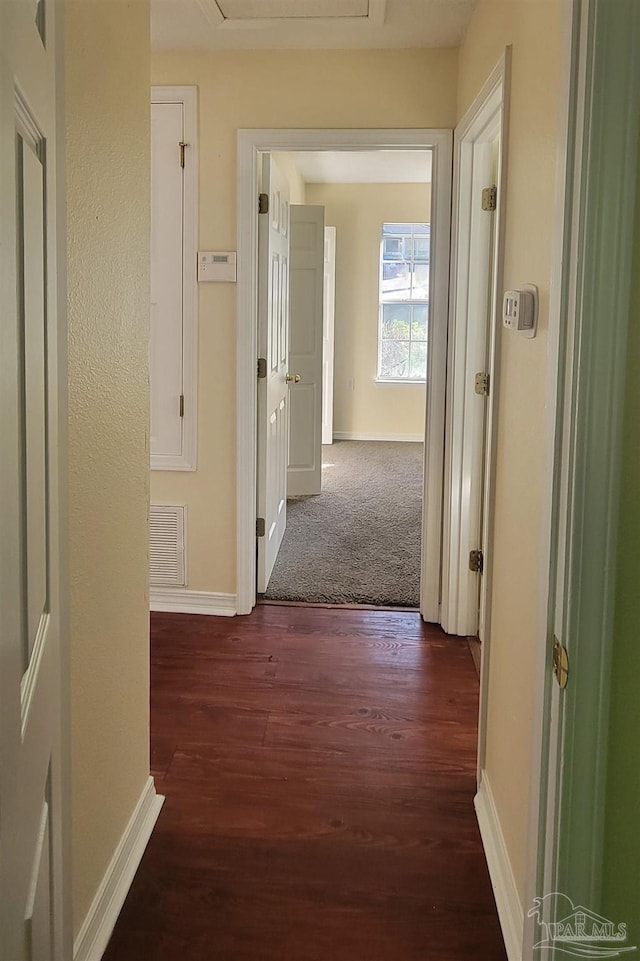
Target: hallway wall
{"points": [[108, 221], [535, 30], [361, 404], [336, 88]]}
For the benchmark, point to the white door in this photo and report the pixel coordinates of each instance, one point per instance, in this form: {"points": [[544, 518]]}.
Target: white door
{"points": [[165, 347], [471, 386], [273, 388], [329, 311], [33, 923], [306, 286]]}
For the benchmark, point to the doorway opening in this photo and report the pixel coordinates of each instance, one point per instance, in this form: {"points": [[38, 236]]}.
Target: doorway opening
{"points": [[254, 146], [354, 371]]}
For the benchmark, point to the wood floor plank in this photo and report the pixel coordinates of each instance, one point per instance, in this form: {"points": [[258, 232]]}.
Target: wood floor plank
{"points": [[319, 773]]}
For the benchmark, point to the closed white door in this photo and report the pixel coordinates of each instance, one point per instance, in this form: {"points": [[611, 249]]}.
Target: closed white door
{"points": [[329, 311], [33, 924], [304, 475], [273, 387], [165, 349]]}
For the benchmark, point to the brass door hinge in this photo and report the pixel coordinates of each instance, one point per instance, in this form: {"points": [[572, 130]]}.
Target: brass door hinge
{"points": [[260, 527], [263, 204], [482, 384], [182, 405], [490, 198], [560, 663], [262, 367], [476, 562], [182, 146]]}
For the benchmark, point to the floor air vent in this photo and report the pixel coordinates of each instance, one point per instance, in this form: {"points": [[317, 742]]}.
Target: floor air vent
{"points": [[166, 550]]}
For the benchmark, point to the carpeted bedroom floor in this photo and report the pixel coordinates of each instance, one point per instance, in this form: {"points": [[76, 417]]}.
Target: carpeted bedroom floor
{"points": [[359, 541]]}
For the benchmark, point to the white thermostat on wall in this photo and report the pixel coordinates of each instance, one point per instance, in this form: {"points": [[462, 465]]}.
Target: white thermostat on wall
{"points": [[520, 310], [217, 266]]}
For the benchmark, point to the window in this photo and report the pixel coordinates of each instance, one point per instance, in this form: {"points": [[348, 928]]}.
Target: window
{"points": [[404, 302]]}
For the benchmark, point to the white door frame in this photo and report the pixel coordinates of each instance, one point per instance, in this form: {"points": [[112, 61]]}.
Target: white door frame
{"points": [[251, 143], [328, 326], [596, 272], [467, 444]]}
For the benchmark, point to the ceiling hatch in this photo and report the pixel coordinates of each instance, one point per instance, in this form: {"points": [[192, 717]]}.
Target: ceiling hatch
{"points": [[255, 13]]}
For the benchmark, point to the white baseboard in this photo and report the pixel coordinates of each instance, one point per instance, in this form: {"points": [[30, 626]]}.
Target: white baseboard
{"points": [[99, 923], [505, 891], [179, 600], [357, 435]]}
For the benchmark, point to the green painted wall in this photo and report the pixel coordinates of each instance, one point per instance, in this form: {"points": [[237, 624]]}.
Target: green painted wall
{"points": [[621, 900]]}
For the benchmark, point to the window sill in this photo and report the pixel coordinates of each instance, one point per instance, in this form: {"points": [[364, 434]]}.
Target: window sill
{"points": [[407, 383]]}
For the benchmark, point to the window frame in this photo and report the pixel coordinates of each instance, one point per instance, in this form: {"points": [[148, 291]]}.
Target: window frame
{"points": [[401, 302]]}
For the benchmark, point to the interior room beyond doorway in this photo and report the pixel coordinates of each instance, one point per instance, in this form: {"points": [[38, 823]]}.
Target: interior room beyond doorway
{"points": [[359, 541]]}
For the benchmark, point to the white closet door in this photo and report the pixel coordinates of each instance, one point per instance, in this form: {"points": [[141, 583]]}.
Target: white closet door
{"points": [[33, 873], [166, 346]]}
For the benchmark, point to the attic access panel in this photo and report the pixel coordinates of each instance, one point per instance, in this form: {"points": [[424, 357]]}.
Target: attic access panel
{"points": [[291, 9], [248, 14]]}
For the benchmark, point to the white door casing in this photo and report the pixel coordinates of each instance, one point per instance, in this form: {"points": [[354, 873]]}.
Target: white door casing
{"points": [[328, 335], [304, 475], [174, 289], [251, 145], [475, 318], [273, 389], [34, 892]]}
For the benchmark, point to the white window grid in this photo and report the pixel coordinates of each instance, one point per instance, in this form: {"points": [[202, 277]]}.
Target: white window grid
{"points": [[403, 302]]}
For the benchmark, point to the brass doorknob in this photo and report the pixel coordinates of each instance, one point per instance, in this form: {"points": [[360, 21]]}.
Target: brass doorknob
{"points": [[293, 378]]}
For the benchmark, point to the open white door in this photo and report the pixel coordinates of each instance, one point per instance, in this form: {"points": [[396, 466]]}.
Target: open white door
{"points": [[33, 921], [328, 326], [304, 475], [273, 387]]}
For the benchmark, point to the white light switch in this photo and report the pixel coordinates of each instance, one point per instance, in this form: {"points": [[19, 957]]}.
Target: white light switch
{"points": [[217, 266]]}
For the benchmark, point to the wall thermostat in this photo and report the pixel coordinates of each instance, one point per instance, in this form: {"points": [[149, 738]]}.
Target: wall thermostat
{"points": [[520, 310], [217, 265]]}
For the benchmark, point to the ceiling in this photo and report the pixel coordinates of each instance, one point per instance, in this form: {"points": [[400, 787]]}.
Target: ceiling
{"points": [[363, 167], [307, 24]]}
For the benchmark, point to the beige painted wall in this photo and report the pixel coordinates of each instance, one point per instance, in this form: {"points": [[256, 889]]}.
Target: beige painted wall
{"points": [[534, 29], [107, 133], [297, 186], [357, 211], [368, 88]]}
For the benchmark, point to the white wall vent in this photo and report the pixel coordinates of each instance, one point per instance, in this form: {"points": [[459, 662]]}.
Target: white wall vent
{"points": [[167, 546]]}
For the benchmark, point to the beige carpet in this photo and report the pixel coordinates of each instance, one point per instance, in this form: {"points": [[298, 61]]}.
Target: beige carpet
{"points": [[359, 541]]}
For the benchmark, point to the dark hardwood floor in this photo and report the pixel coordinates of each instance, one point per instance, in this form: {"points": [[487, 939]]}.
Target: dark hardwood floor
{"points": [[319, 773]]}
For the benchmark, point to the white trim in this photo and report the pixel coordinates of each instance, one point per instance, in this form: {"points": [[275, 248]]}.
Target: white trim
{"points": [[465, 452], [251, 143], [508, 903], [187, 461], [359, 435], [99, 923], [183, 601], [414, 382]]}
